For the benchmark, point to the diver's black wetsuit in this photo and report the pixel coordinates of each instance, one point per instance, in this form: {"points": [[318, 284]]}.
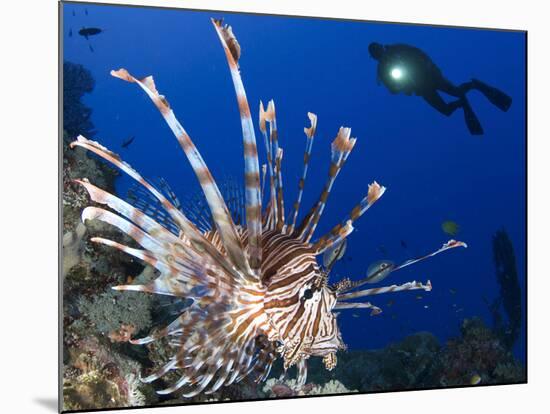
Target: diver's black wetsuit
{"points": [[417, 74]]}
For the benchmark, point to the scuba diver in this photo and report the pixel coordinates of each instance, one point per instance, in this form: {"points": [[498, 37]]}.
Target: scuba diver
{"points": [[407, 69]]}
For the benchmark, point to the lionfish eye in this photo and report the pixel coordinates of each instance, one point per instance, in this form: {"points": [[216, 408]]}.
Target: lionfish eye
{"points": [[308, 294]]}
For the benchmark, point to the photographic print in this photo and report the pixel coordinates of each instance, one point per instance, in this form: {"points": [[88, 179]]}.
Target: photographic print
{"points": [[260, 206]]}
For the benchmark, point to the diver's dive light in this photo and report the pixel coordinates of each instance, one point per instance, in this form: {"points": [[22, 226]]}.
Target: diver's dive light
{"points": [[397, 73]]}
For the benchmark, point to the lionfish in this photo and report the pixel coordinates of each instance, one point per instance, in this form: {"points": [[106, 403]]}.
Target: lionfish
{"points": [[256, 290]]}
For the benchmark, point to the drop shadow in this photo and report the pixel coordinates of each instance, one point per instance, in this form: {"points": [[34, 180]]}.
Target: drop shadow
{"points": [[49, 403]]}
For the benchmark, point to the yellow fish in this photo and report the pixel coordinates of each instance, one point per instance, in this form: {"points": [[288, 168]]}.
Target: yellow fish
{"points": [[450, 227], [476, 379]]}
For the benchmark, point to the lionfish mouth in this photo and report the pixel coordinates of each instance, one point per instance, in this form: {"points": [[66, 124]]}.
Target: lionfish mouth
{"points": [[251, 285]]}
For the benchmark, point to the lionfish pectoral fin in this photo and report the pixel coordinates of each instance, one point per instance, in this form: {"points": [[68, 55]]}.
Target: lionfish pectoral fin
{"points": [[176, 386], [188, 228], [375, 310], [218, 207], [301, 367], [451, 244], [159, 373], [380, 290]]}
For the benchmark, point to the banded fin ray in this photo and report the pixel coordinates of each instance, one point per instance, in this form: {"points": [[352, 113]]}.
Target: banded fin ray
{"points": [[220, 212], [187, 227], [310, 135], [338, 232], [252, 169], [341, 148], [271, 210], [451, 244]]}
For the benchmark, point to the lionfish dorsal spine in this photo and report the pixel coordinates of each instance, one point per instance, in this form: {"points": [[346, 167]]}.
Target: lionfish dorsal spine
{"points": [[271, 145], [341, 148], [340, 231], [280, 196], [310, 135], [252, 169]]}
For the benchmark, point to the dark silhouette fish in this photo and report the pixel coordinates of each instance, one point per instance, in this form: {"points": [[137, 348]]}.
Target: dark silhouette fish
{"points": [[126, 143], [86, 12], [70, 32], [89, 31]]}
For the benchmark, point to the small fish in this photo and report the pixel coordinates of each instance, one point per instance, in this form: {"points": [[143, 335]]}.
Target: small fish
{"points": [[71, 32], [426, 306], [390, 303], [454, 305], [418, 297], [403, 244], [450, 227], [335, 253], [476, 379], [128, 141], [86, 12], [452, 291], [379, 270], [459, 310], [355, 315], [89, 31], [74, 14], [91, 48]]}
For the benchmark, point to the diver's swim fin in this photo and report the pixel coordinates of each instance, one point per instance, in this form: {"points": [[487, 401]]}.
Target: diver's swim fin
{"points": [[473, 124], [495, 96]]}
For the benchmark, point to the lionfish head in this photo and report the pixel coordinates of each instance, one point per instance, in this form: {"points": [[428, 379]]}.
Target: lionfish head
{"points": [[299, 304]]}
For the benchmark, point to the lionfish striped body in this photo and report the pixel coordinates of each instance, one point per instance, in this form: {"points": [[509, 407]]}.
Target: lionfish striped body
{"points": [[257, 290]]}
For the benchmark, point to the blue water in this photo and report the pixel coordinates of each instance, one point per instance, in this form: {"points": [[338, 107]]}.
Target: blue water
{"points": [[433, 168]]}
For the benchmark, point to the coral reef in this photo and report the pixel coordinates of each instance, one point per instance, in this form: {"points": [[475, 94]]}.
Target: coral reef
{"points": [[77, 81], [109, 311], [72, 247], [478, 351], [99, 370], [288, 388], [402, 365], [97, 376]]}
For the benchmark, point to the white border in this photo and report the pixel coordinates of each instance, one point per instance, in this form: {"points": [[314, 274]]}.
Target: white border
{"points": [[28, 33]]}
